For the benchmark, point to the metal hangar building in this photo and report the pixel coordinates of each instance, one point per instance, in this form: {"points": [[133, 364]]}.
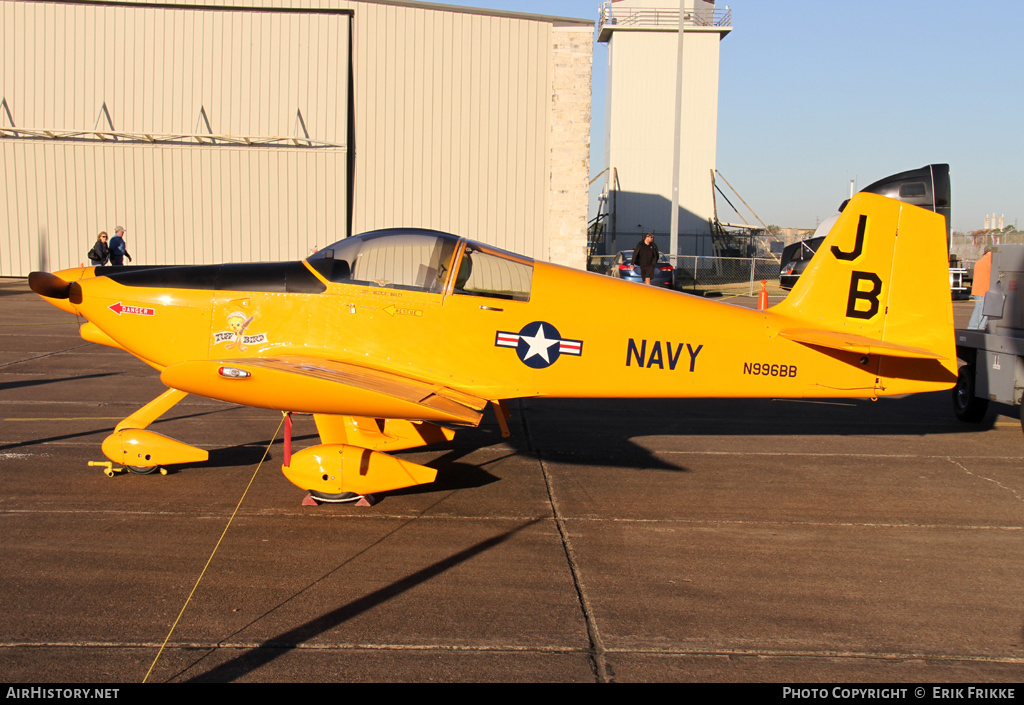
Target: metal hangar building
{"points": [[261, 130]]}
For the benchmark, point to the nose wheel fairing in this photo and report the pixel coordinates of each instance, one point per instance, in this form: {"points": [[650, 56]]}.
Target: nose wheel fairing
{"points": [[145, 449], [131, 445]]}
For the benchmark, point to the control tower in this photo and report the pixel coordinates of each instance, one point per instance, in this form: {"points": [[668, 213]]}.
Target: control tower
{"points": [[643, 56]]}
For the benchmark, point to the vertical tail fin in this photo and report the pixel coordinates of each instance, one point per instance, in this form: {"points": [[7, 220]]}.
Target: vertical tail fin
{"points": [[879, 285]]}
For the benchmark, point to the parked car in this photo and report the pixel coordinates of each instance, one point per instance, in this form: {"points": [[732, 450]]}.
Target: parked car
{"points": [[622, 268]]}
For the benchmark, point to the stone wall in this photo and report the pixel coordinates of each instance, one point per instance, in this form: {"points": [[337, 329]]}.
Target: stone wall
{"points": [[572, 56]]}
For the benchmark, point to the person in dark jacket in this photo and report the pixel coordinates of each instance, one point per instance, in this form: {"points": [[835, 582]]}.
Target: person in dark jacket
{"points": [[118, 250], [100, 252], [645, 256]]}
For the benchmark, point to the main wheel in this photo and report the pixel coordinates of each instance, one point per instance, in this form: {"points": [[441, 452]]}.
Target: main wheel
{"points": [[966, 406], [336, 498], [141, 469]]}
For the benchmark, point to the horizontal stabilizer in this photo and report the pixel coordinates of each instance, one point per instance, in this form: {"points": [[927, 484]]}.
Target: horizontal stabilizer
{"points": [[851, 342]]}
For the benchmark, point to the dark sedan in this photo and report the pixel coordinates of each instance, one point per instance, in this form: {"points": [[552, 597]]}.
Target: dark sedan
{"points": [[622, 268]]}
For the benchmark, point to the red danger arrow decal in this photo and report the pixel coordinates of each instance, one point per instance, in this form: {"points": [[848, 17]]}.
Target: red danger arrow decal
{"points": [[120, 308]]}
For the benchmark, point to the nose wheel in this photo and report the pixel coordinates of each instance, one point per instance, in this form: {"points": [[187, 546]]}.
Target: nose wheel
{"points": [[141, 470], [109, 470]]}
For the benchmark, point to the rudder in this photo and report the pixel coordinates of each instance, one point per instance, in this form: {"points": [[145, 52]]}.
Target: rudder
{"points": [[879, 284]]}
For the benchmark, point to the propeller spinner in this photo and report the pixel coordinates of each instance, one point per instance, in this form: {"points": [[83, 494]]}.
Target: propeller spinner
{"points": [[49, 285]]}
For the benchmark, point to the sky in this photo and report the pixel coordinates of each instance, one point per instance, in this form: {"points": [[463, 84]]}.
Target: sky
{"points": [[816, 93]]}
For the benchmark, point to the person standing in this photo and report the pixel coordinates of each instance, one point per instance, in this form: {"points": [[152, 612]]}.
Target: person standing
{"points": [[100, 251], [645, 256], [118, 250]]}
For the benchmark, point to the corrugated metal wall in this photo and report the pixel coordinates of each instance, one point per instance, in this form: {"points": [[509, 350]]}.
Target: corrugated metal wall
{"points": [[150, 74], [451, 123], [449, 127]]}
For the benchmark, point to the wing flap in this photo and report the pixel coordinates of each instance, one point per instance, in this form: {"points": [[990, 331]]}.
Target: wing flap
{"points": [[321, 386], [851, 342]]}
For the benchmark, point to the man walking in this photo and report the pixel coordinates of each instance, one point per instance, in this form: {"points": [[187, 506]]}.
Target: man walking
{"points": [[118, 250], [645, 256]]}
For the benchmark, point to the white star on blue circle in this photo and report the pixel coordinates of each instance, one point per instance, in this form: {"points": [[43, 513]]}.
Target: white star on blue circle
{"points": [[538, 344]]}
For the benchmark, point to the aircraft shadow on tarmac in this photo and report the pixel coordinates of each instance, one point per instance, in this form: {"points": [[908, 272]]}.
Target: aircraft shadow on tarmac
{"points": [[280, 644], [221, 457], [592, 423], [53, 380], [600, 432]]}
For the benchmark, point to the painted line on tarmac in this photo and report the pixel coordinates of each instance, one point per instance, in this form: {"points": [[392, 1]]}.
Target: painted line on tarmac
{"points": [[500, 648], [15, 325], [713, 523], [788, 454], [117, 418], [68, 418], [997, 483]]}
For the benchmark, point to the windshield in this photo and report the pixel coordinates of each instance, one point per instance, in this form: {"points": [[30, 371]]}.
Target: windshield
{"points": [[416, 260]]}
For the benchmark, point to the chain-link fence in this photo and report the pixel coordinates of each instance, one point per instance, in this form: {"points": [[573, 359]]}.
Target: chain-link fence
{"points": [[969, 248], [714, 276]]}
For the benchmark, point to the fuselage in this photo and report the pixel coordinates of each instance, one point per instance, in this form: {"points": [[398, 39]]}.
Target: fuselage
{"points": [[531, 329]]}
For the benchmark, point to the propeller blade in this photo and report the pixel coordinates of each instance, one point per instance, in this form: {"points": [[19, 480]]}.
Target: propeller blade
{"points": [[49, 285]]}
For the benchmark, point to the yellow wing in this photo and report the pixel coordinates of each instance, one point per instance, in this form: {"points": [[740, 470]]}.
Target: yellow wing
{"points": [[315, 385]]}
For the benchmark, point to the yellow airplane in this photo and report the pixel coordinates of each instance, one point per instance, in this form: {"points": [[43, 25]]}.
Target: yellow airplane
{"points": [[392, 338]]}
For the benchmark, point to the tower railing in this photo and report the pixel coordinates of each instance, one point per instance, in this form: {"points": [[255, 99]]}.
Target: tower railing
{"points": [[642, 17]]}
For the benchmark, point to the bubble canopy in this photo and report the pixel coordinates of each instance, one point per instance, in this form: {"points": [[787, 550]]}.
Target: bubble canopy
{"points": [[427, 261]]}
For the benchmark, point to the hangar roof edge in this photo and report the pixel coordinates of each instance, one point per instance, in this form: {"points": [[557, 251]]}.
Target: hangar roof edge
{"points": [[570, 21], [265, 6]]}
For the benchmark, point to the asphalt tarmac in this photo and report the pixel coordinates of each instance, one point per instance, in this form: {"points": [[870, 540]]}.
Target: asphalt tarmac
{"points": [[670, 541]]}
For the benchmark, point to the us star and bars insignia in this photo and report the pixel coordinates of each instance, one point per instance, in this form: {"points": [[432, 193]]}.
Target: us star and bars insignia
{"points": [[538, 344]]}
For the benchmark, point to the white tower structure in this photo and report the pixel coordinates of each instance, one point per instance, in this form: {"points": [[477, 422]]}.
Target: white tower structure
{"points": [[646, 123]]}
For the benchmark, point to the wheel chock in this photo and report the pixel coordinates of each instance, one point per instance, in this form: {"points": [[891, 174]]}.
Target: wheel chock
{"points": [[368, 500], [309, 501]]}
